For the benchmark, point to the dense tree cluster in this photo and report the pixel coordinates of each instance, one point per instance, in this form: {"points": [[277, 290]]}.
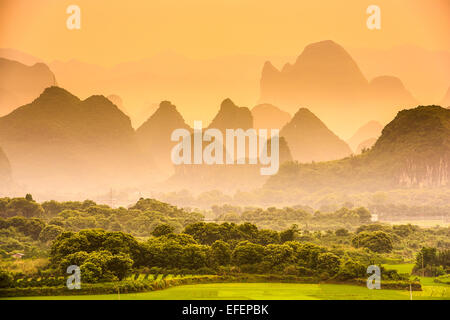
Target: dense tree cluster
{"points": [[377, 241], [155, 237], [272, 217], [140, 219], [203, 248], [432, 262]]}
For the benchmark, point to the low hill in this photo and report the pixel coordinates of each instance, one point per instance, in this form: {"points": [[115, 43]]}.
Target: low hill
{"points": [[154, 135], [231, 116], [309, 139]]}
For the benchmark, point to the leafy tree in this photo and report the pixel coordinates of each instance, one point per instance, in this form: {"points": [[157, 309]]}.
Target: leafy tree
{"points": [[328, 262], [6, 279], [266, 237], [30, 227], [221, 252], [351, 269], [426, 257], [278, 254], [50, 232], [90, 272], [378, 241], [364, 214], [341, 232], [162, 230], [23, 207], [181, 238], [194, 256], [289, 234], [247, 253], [119, 265]]}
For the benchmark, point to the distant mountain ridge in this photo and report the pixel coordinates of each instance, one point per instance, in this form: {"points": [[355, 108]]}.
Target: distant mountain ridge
{"points": [[59, 141], [267, 116], [327, 80], [20, 84]]}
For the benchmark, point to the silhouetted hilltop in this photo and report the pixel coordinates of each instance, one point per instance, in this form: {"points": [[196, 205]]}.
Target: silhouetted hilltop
{"points": [[231, 116], [390, 90], [59, 140], [322, 67], [117, 100], [422, 132], [20, 84], [267, 116], [154, 135], [413, 151], [309, 139], [327, 80], [371, 129], [226, 177]]}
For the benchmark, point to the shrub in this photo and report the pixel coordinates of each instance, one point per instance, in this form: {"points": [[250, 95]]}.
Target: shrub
{"points": [[6, 279]]}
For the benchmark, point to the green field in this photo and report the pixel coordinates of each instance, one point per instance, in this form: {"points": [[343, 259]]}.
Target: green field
{"points": [[401, 268], [268, 291]]}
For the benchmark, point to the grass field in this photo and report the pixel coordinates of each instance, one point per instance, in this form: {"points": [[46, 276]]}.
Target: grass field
{"points": [[268, 291], [275, 291], [401, 268]]}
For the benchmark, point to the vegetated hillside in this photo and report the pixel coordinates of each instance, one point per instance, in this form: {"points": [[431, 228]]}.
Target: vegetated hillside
{"points": [[309, 139], [20, 84], [60, 141], [366, 144], [413, 151]]}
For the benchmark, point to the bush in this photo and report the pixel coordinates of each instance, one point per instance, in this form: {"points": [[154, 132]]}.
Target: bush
{"points": [[6, 279], [377, 241], [341, 232]]}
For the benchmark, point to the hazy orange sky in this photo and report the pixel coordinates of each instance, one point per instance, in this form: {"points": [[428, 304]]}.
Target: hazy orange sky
{"points": [[117, 31]]}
